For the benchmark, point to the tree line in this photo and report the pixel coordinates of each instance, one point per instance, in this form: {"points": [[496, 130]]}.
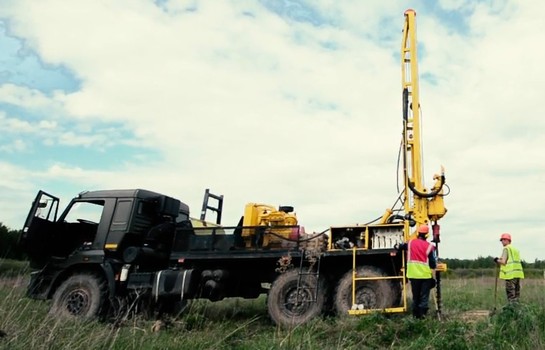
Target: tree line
{"points": [[486, 262]]}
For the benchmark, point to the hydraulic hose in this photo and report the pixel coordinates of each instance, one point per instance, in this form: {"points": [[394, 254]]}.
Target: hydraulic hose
{"points": [[428, 194], [405, 97]]}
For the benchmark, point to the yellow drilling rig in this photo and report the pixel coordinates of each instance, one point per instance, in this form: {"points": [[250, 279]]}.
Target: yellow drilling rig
{"points": [[144, 247]]}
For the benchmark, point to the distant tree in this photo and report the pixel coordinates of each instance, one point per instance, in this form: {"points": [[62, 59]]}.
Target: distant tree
{"points": [[537, 264], [9, 248], [485, 262]]}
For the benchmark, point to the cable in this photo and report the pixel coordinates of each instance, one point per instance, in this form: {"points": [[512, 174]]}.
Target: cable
{"points": [[297, 240], [421, 142], [448, 188], [398, 163]]}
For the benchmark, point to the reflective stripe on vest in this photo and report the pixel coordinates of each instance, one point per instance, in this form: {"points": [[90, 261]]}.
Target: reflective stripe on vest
{"points": [[417, 262], [513, 268]]}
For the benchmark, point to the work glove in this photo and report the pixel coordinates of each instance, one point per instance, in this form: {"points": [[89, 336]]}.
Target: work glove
{"points": [[400, 246], [496, 260]]}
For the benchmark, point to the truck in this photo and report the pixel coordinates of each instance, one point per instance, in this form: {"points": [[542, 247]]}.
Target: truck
{"points": [[110, 250]]}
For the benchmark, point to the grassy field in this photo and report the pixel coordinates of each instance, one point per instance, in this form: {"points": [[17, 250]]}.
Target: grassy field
{"points": [[244, 324]]}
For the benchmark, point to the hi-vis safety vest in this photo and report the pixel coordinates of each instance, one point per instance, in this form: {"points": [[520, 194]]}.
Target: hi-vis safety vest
{"points": [[513, 268], [417, 261]]}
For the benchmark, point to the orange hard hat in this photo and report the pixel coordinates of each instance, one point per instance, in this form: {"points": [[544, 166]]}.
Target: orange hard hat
{"points": [[505, 236], [423, 229]]}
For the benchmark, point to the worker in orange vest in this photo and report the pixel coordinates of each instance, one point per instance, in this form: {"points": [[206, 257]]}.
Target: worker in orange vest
{"points": [[421, 264]]}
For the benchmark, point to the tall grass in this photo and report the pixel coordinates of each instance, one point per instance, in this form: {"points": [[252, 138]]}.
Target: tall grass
{"points": [[12, 268], [244, 324]]}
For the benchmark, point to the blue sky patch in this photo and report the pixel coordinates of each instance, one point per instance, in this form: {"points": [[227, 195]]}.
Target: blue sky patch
{"points": [[298, 11], [44, 156], [22, 66]]}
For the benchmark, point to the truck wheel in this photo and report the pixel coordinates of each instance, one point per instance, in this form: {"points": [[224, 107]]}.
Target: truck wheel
{"points": [[289, 306], [378, 294], [82, 295]]}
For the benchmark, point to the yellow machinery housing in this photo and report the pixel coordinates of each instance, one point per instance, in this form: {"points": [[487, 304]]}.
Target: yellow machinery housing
{"points": [[269, 225]]}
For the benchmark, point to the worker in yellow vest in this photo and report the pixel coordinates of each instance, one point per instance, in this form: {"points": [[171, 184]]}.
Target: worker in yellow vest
{"points": [[510, 268]]}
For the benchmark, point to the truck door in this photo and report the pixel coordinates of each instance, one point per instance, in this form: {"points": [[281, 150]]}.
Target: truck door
{"points": [[39, 226]]}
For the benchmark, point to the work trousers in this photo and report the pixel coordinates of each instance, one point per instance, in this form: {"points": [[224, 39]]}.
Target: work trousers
{"points": [[512, 288], [421, 294]]}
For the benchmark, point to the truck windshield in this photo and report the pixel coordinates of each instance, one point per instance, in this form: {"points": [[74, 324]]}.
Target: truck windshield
{"points": [[89, 212]]}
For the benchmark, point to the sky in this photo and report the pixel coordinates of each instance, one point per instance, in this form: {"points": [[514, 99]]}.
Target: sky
{"points": [[280, 102]]}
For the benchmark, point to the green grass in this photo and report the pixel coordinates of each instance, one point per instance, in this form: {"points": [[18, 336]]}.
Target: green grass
{"points": [[244, 324], [11, 268]]}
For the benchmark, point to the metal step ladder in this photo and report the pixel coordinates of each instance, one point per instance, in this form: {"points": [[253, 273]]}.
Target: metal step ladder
{"points": [[205, 206], [310, 269], [400, 276]]}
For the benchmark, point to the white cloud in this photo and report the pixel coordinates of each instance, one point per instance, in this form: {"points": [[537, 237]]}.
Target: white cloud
{"points": [[16, 186], [29, 98], [47, 124], [17, 146], [257, 108], [14, 125]]}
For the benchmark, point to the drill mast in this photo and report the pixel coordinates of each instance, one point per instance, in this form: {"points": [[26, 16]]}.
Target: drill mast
{"points": [[420, 204]]}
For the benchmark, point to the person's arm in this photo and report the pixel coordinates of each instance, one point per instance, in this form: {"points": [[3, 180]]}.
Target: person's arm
{"points": [[401, 246], [503, 259], [432, 261]]}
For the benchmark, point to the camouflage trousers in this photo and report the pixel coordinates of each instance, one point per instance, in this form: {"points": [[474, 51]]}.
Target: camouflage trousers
{"points": [[512, 288]]}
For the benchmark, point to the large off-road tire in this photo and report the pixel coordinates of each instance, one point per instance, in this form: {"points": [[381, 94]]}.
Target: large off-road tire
{"points": [[289, 306], [372, 294], [81, 295]]}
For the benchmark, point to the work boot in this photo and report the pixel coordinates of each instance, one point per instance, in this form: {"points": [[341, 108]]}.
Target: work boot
{"points": [[424, 312]]}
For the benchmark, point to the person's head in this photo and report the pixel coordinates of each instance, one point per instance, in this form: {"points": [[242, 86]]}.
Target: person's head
{"points": [[505, 239], [423, 231]]}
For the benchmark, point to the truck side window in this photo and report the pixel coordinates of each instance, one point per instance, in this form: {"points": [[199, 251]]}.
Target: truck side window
{"points": [[47, 208], [181, 217], [147, 209]]}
